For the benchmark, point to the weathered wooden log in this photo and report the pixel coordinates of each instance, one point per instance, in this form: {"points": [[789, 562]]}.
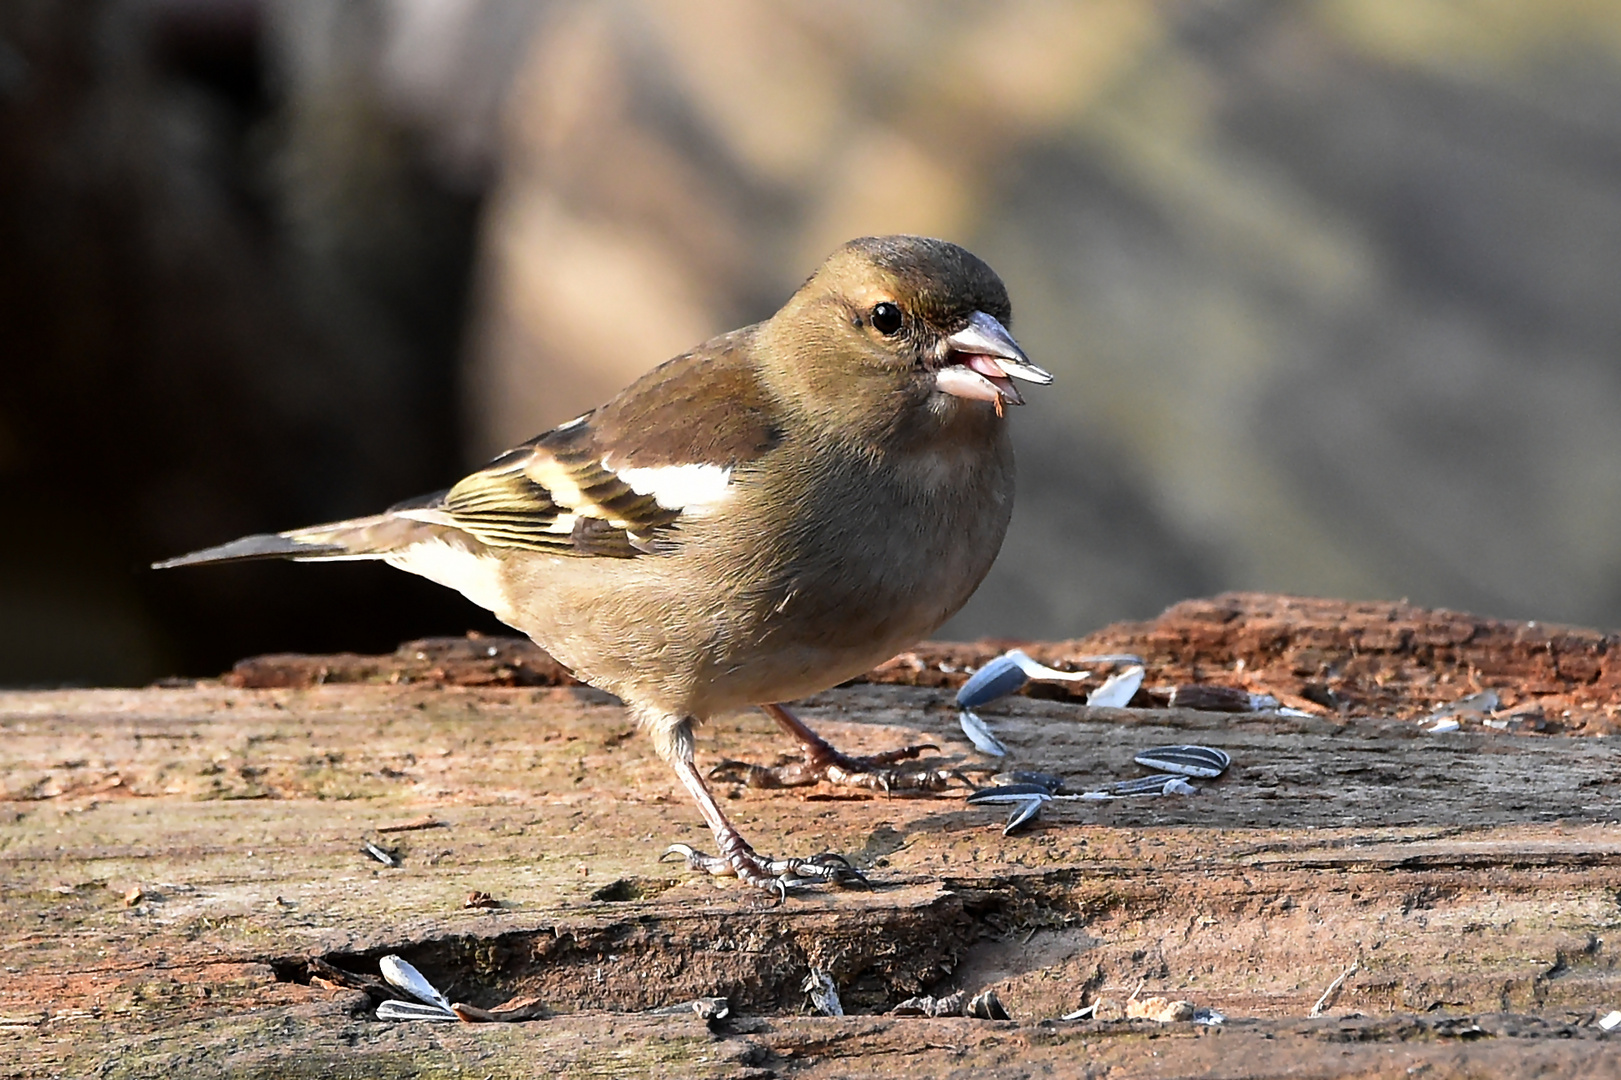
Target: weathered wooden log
{"points": [[189, 873]]}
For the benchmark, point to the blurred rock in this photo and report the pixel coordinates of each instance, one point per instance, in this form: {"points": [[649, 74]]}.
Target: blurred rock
{"points": [[1327, 287]]}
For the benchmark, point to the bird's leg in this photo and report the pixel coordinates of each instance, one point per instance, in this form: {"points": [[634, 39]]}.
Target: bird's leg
{"points": [[824, 762], [736, 857]]}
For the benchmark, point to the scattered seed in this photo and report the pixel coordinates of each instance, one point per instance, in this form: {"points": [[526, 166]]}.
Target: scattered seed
{"points": [[1204, 761], [925, 1005], [987, 1006], [1216, 698], [384, 857], [823, 993], [999, 678], [980, 734], [400, 973], [411, 1010], [1333, 987], [707, 1008], [1008, 673], [1117, 690], [1053, 784]]}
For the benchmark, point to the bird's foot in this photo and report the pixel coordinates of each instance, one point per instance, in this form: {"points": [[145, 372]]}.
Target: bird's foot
{"points": [[773, 875], [822, 762]]}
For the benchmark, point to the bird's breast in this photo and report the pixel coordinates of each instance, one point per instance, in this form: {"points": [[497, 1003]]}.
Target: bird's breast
{"points": [[875, 555]]}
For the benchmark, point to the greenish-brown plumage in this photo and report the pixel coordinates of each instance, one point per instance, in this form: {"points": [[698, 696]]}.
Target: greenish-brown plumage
{"points": [[758, 519]]}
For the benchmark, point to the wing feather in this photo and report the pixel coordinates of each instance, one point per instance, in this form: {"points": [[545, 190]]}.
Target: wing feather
{"points": [[555, 495], [678, 434]]}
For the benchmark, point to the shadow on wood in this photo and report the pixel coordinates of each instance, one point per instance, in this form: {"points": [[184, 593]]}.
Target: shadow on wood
{"points": [[187, 883]]}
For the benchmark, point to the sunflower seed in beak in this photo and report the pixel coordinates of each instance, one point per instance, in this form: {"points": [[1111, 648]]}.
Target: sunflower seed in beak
{"points": [[981, 360]]}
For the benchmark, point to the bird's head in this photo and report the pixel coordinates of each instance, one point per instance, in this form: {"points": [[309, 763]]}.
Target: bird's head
{"points": [[888, 324]]}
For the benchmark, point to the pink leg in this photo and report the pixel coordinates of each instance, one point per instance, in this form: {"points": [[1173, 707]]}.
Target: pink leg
{"points": [[736, 857], [824, 762]]}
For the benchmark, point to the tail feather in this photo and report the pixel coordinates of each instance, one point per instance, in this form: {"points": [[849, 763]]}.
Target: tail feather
{"points": [[373, 537]]}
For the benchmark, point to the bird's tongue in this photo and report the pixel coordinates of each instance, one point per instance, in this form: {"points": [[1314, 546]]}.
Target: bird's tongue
{"points": [[988, 367]]}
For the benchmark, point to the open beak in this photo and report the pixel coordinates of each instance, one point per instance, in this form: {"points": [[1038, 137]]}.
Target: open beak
{"points": [[981, 362]]}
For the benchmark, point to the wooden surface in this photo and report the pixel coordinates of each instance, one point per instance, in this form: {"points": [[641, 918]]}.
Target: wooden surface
{"points": [[173, 859]]}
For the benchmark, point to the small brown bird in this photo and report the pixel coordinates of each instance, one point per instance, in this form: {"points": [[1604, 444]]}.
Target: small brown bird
{"points": [[756, 520]]}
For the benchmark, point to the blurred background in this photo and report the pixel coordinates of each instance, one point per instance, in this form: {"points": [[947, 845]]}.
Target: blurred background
{"points": [[1332, 289]]}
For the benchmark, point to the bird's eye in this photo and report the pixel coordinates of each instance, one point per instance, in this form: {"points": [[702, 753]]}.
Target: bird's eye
{"points": [[886, 317]]}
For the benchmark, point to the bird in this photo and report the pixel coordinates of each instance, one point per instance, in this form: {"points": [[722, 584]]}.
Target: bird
{"points": [[759, 519]]}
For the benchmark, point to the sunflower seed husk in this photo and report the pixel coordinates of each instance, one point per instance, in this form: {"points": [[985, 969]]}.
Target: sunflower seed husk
{"points": [[823, 993], [384, 857], [1007, 674], [401, 974], [1010, 793], [1152, 784], [1054, 784], [1187, 760], [1117, 690], [979, 733], [987, 1006], [925, 1005], [411, 1010], [998, 678], [1023, 812]]}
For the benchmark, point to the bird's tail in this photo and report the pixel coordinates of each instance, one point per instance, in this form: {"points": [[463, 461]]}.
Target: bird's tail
{"points": [[375, 537]]}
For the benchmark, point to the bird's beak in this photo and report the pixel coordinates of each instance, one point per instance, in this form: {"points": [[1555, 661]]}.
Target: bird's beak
{"points": [[981, 361]]}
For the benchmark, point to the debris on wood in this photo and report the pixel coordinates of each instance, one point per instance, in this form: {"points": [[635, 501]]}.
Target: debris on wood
{"points": [[824, 994], [1341, 826], [987, 1006], [426, 821], [925, 1005], [1027, 792], [979, 733], [1159, 1009], [1333, 988], [400, 973], [705, 1008], [512, 1011], [1118, 689], [387, 858], [1203, 761]]}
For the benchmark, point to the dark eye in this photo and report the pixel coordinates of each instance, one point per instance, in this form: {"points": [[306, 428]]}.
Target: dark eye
{"points": [[887, 318]]}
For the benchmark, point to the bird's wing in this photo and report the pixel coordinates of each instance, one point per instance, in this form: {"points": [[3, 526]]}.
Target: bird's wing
{"points": [[555, 495], [618, 481]]}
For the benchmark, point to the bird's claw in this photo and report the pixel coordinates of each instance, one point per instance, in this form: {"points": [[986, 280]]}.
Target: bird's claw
{"points": [[773, 875], [869, 771]]}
